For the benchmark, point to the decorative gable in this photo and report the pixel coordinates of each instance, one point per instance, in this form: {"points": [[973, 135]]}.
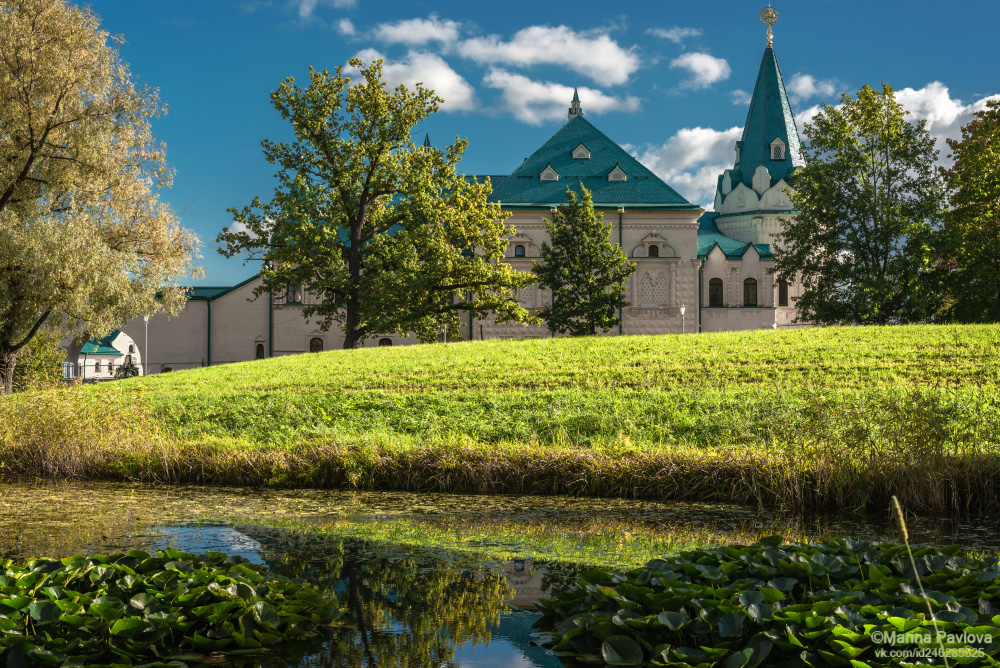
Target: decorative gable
{"points": [[581, 152], [777, 149], [617, 174], [548, 174]]}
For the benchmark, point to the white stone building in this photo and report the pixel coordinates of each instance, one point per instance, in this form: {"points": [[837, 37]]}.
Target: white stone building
{"points": [[715, 266]]}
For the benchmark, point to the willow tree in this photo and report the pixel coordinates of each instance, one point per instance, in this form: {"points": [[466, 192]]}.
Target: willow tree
{"points": [[85, 242], [385, 235]]}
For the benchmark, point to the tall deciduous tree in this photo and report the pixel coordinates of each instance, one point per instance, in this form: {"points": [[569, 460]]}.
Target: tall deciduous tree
{"points": [[84, 241], [970, 258], [584, 270], [385, 235], [869, 197]]}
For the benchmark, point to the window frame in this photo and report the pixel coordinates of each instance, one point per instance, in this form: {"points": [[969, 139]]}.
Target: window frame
{"points": [[312, 344], [718, 295], [748, 283]]}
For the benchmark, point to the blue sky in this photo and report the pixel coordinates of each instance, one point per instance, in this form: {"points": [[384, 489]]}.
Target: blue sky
{"points": [[668, 80]]}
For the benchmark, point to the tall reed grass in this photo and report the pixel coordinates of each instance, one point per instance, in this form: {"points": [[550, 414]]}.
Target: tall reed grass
{"points": [[936, 449]]}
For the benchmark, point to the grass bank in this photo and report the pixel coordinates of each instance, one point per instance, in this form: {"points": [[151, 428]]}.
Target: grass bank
{"points": [[811, 419]]}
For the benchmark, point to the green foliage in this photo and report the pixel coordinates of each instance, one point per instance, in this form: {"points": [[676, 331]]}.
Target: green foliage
{"points": [[379, 231], [970, 245], [39, 362], [584, 270], [85, 242], [139, 609], [835, 603], [869, 197]]}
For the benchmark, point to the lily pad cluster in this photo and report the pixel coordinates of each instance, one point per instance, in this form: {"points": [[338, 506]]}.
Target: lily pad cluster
{"points": [[159, 610], [838, 603]]}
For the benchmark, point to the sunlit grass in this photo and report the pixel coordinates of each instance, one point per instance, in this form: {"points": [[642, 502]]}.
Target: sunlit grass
{"points": [[821, 418]]}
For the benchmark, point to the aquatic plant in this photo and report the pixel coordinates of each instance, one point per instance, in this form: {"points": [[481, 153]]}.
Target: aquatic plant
{"points": [[835, 603], [160, 610]]}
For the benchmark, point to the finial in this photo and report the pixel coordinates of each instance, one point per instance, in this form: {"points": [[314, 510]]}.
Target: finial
{"points": [[427, 140], [575, 109], [769, 16]]}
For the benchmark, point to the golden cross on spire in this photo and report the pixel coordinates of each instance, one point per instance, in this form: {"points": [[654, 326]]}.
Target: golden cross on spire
{"points": [[769, 16]]}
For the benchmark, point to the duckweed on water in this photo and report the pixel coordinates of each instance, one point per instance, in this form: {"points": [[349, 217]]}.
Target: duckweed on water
{"points": [[837, 603], [156, 610]]}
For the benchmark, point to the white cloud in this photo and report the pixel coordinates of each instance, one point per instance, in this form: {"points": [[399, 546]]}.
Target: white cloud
{"points": [[346, 27], [307, 7], [692, 160], [740, 97], [805, 86], [676, 34], [705, 70], [592, 54], [415, 32], [427, 68], [535, 102], [945, 115]]}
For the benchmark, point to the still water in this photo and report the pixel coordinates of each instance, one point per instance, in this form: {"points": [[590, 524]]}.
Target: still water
{"points": [[424, 580]]}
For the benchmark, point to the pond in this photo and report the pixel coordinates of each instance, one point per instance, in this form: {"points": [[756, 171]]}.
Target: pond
{"points": [[424, 580]]}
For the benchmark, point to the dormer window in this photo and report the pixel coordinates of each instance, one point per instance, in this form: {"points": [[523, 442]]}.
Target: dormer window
{"points": [[617, 174], [777, 149], [549, 174], [739, 152], [581, 152], [654, 251], [519, 251]]}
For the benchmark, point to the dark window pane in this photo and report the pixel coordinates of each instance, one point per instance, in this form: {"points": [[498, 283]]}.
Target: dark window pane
{"points": [[384, 343], [654, 251], [316, 345], [782, 294], [260, 351], [750, 292], [519, 251], [715, 292]]}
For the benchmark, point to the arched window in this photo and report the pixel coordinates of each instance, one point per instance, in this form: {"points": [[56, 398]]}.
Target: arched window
{"points": [[131, 348], [259, 352], [315, 345], [385, 343], [750, 292], [715, 292], [97, 366], [654, 251], [782, 294], [519, 251]]}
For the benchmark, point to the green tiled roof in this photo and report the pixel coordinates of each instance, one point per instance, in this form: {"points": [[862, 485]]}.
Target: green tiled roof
{"points": [[642, 188], [709, 237], [102, 346], [769, 117]]}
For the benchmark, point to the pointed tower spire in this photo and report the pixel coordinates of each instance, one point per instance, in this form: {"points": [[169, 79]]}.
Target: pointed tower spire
{"points": [[427, 140], [575, 109], [770, 138]]}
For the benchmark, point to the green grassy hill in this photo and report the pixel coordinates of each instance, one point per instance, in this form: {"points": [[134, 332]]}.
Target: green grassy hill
{"points": [[803, 417]]}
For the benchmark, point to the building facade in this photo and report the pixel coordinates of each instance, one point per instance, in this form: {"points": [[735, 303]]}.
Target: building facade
{"points": [[695, 271]]}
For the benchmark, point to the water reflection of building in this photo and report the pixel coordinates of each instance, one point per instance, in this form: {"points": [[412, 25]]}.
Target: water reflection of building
{"points": [[527, 582]]}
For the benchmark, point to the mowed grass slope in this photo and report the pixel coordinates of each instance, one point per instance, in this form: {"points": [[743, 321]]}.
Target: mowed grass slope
{"points": [[811, 417]]}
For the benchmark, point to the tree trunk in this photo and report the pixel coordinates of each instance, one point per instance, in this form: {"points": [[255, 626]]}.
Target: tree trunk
{"points": [[354, 334], [8, 361]]}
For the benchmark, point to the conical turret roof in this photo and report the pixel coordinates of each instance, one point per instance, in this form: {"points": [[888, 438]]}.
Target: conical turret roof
{"points": [[769, 118]]}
